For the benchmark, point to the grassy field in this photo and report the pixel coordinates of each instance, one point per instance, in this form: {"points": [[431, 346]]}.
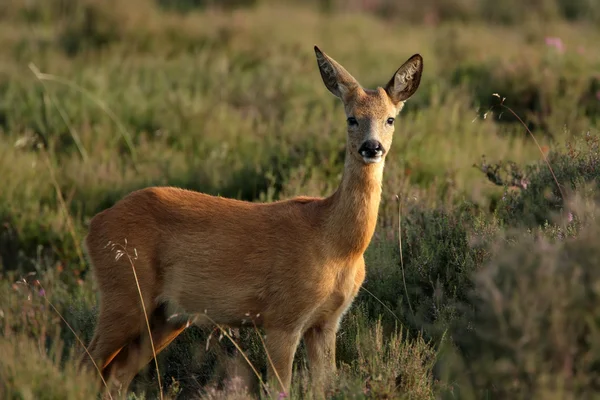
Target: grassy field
{"points": [[482, 277]]}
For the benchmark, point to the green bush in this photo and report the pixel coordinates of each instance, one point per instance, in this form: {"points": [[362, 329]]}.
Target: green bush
{"points": [[538, 200], [441, 250], [536, 90], [91, 27], [534, 324], [190, 5], [229, 102]]}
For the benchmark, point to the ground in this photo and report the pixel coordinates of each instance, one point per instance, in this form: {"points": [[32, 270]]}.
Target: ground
{"points": [[482, 275]]}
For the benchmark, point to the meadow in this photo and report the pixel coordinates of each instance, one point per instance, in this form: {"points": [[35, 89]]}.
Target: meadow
{"points": [[482, 276]]}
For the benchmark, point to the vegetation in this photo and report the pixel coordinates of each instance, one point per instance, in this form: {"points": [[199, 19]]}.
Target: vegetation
{"points": [[482, 276]]}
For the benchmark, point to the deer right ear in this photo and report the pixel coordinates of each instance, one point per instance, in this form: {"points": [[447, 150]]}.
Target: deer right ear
{"points": [[406, 80], [336, 78]]}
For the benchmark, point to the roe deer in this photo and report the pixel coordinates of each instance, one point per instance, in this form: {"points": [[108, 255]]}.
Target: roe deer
{"points": [[294, 264]]}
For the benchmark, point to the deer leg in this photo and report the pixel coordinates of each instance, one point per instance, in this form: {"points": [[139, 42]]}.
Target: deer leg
{"points": [[113, 331], [281, 347], [320, 346], [138, 353]]}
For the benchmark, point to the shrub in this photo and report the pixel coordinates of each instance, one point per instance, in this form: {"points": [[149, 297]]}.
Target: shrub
{"points": [[91, 26], [538, 200], [441, 250], [28, 371], [536, 90], [534, 327], [184, 6]]}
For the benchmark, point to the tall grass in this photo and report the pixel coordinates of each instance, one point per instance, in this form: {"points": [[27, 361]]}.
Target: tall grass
{"points": [[485, 287]]}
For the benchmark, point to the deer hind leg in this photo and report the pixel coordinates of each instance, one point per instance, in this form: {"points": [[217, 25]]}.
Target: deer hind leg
{"points": [[320, 347], [138, 353], [115, 328], [120, 322], [281, 347]]}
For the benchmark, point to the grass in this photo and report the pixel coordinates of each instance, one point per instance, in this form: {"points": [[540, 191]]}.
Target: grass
{"points": [[485, 287]]}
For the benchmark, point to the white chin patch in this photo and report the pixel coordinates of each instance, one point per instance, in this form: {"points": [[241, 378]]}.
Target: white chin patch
{"points": [[372, 160]]}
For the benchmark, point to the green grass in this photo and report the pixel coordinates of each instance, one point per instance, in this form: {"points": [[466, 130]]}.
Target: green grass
{"points": [[495, 293]]}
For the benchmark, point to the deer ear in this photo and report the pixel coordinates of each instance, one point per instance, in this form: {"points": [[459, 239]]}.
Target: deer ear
{"points": [[406, 80], [336, 78]]}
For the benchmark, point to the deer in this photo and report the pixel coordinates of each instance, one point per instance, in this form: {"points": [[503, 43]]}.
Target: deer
{"points": [[294, 265]]}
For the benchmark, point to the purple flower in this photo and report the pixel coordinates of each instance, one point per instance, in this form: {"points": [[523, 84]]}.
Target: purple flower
{"points": [[42, 292], [555, 42]]}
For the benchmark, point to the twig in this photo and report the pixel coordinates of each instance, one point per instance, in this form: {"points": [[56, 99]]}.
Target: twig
{"points": [[268, 356], [74, 334], [63, 206], [501, 104], [401, 258], [124, 133], [119, 254], [240, 350], [382, 303], [63, 115]]}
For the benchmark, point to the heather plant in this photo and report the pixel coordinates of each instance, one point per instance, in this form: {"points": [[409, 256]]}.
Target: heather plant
{"points": [[480, 281], [533, 330], [535, 195], [441, 249]]}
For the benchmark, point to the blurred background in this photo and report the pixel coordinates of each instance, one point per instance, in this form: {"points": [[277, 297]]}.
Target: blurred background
{"points": [[481, 280]]}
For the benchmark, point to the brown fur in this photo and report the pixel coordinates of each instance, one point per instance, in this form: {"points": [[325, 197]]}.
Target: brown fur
{"points": [[294, 266]]}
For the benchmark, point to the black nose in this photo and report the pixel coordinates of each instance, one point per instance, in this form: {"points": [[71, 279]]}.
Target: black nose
{"points": [[371, 149]]}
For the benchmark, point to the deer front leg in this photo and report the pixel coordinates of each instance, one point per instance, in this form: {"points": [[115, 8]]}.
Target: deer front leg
{"points": [[281, 347], [320, 346]]}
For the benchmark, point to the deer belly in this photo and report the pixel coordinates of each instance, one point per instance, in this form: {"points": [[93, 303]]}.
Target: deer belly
{"points": [[210, 299]]}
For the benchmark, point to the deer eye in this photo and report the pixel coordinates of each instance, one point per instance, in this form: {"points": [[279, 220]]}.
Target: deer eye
{"points": [[352, 121], [390, 121]]}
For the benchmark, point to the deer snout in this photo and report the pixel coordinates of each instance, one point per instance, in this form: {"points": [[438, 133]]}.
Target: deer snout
{"points": [[371, 151]]}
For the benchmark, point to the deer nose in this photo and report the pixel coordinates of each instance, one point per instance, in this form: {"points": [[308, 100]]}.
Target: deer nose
{"points": [[371, 149]]}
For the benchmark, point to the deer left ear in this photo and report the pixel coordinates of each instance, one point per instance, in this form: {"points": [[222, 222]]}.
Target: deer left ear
{"points": [[335, 77], [406, 80]]}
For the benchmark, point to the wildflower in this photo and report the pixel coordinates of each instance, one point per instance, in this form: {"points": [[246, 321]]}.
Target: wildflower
{"points": [[555, 42], [524, 183]]}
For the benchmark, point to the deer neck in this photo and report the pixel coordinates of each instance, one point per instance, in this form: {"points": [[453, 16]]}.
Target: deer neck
{"points": [[353, 208]]}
